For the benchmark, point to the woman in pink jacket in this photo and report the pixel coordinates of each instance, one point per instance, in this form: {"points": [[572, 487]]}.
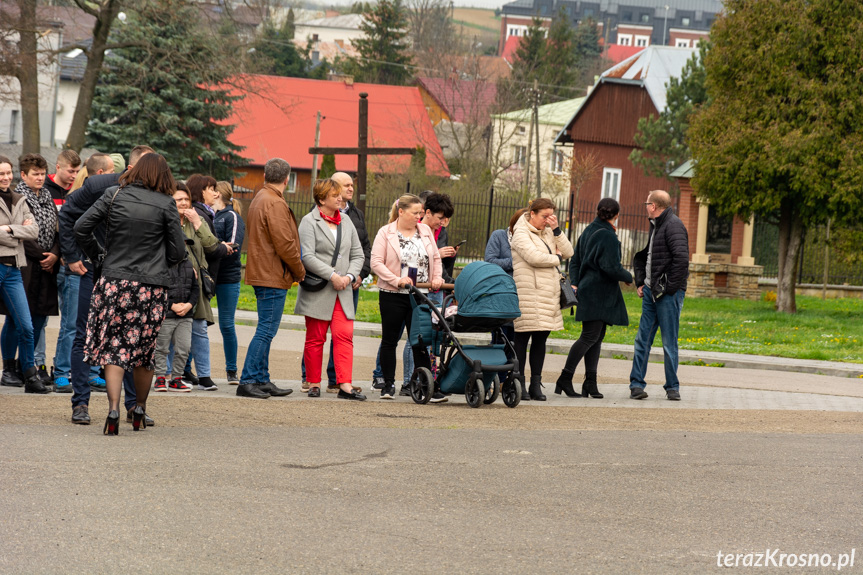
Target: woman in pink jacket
{"points": [[404, 252]]}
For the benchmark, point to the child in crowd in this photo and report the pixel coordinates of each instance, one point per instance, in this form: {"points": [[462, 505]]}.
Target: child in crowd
{"points": [[177, 327]]}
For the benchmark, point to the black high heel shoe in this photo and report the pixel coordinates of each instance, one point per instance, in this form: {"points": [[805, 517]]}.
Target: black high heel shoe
{"points": [[139, 421], [589, 388], [536, 389], [112, 423], [564, 384]]}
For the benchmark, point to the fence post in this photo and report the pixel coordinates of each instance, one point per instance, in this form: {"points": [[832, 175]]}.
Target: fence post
{"points": [[488, 221]]}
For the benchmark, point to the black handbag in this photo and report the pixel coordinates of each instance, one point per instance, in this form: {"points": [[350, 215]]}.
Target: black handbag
{"points": [[208, 284], [568, 298], [313, 282]]}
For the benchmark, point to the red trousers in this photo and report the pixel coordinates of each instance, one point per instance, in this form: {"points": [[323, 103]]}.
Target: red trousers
{"points": [[342, 330]]}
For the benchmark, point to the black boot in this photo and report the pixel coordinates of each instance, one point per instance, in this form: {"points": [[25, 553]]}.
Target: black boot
{"points": [[564, 384], [589, 388], [33, 383], [525, 396], [11, 378], [536, 388]]}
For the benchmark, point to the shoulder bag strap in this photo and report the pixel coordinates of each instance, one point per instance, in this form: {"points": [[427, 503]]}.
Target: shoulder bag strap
{"points": [[338, 245], [108, 219]]}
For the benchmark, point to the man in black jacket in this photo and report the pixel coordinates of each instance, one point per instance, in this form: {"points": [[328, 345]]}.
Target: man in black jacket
{"points": [[76, 204], [661, 270]]}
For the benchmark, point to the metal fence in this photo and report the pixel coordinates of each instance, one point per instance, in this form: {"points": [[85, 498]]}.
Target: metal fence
{"points": [[475, 219], [765, 250]]}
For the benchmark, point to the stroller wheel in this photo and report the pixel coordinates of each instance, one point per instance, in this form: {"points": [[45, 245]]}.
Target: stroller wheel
{"points": [[474, 391], [422, 386], [511, 391], [493, 391]]}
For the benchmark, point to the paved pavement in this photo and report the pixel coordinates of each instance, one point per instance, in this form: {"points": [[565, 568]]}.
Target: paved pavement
{"points": [[609, 350]]}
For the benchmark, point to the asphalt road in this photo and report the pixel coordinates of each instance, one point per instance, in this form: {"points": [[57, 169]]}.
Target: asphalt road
{"points": [[285, 499]]}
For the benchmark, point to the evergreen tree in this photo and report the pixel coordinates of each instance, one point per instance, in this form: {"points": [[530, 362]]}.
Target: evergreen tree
{"points": [[163, 91], [662, 142], [384, 55], [527, 66], [276, 53], [328, 167], [560, 62]]}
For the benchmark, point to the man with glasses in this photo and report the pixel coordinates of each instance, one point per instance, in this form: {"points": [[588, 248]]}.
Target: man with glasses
{"points": [[661, 270]]}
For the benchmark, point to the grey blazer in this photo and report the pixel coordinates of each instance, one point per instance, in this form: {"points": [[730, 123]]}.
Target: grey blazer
{"points": [[318, 244]]}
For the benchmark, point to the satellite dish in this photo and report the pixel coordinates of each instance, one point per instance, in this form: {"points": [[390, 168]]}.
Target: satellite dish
{"points": [[121, 17]]}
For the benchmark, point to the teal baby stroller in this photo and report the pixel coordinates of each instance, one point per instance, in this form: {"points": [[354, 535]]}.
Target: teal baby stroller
{"points": [[486, 299]]}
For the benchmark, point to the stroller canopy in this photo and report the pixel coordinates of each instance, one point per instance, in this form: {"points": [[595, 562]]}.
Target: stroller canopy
{"points": [[485, 290]]}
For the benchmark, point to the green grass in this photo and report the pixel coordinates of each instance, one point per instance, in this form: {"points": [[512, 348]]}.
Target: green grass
{"points": [[821, 329]]}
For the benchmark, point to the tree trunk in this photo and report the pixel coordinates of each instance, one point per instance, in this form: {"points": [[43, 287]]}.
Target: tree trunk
{"points": [[95, 57], [28, 77], [790, 240]]}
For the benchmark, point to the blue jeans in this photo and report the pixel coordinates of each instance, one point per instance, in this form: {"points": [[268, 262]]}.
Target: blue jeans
{"points": [[39, 344], [68, 286], [227, 295], [17, 314], [200, 350], [83, 372], [271, 305], [407, 352], [331, 367], [664, 315]]}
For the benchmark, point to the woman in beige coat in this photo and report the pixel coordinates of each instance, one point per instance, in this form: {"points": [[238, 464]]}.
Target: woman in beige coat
{"points": [[538, 247]]}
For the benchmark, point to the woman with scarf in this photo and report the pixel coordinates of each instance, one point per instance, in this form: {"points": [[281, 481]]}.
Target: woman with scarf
{"points": [[42, 255], [326, 236], [16, 228]]}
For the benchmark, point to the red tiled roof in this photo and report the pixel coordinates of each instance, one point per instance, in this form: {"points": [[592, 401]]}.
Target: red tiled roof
{"points": [[466, 101], [618, 54], [510, 47], [277, 119]]}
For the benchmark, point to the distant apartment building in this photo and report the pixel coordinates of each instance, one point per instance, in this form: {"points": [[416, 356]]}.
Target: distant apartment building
{"points": [[637, 23]]}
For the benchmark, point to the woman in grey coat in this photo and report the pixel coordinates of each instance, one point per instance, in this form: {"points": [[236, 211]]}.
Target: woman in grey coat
{"points": [[331, 306]]}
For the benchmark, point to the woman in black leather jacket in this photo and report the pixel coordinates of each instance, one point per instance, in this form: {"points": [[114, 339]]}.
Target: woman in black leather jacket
{"points": [[143, 240]]}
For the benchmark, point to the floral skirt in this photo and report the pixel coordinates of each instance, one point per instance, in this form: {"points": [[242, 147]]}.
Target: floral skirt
{"points": [[123, 323]]}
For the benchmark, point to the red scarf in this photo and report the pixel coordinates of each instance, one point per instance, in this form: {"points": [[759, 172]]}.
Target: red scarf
{"points": [[336, 219]]}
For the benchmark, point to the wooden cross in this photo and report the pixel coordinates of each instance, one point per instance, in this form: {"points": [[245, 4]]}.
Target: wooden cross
{"points": [[363, 151]]}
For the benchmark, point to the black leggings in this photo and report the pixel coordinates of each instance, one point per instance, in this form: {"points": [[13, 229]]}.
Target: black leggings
{"points": [[395, 309], [587, 346], [537, 351]]}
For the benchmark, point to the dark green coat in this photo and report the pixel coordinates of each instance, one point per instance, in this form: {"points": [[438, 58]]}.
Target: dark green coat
{"points": [[595, 269]]}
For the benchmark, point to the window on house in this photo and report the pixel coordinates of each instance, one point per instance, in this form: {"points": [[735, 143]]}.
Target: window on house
{"points": [[695, 43], [611, 183], [588, 13], [519, 156], [642, 41], [292, 183], [685, 21], [624, 39], [645, 18], [556, 159], [682, 43], [627, 16], [521, 129]]}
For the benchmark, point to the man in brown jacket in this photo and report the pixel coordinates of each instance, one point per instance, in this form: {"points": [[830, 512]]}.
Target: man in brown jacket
{"points": [[273, 264]]}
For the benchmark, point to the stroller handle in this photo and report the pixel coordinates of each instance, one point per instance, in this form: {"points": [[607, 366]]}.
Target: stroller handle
{"points": [[428, 286]]}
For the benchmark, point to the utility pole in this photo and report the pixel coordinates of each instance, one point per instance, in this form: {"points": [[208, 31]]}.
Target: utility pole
{"points": [[536, 123], [527, 158], [317, 143]]}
